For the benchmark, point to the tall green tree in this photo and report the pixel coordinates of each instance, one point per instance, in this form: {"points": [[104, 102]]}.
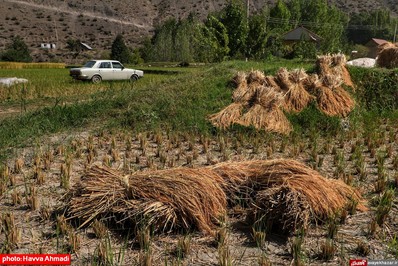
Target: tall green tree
{"points": [[215, 40], [233, 17], [257, 35], [120, 51], [280, 17], [17, 51]]}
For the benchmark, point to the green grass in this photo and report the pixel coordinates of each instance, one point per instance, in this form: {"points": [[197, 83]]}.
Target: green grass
{"points": [[179, 102]]}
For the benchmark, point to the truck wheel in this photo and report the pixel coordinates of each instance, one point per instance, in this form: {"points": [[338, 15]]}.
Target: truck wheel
{"points": [[96, 79], [134, 78]]}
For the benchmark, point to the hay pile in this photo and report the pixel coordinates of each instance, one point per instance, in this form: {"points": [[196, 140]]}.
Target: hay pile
{"points": [[285, 192], [163, 200], [260, 100], [387, 55], [293, 84], [334, 65], [257, 102], [331, 98]]}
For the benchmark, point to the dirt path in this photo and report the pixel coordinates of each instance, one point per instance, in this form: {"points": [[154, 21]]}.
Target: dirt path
{"points": [[75, 13]]}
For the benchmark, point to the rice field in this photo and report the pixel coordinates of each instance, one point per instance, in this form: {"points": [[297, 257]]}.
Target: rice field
{"points": [[133, 194]]}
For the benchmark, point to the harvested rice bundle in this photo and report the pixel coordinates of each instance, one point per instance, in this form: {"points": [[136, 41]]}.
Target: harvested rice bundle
{"points": [[268, 119], [227, 116], [268, 97], [270, 81], [325, 197], [239, 78], [256, 76], [193, 198], [323, 65], [388, 57], [281, 207], [297, 97], [163, 200], [334, 102], [244, 93], [339, 62], [283, 80], [332, 81], [96, 194]]}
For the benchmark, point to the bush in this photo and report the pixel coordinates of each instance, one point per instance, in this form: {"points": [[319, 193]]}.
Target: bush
{"points": [[376, 88], [17, 51]]}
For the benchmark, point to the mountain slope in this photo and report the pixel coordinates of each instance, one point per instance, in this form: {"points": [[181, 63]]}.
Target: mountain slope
{"points": [[98, 22]]}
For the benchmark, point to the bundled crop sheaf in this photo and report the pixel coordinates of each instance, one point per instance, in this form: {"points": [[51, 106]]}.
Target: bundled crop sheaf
{"points": [[334, 65], [323, 196], [293, 84], [332, 99], [388, 55], [163, 200], [285, 191], [227, 116]]}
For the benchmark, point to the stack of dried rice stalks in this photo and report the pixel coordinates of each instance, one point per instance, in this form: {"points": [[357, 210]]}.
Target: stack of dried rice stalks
{"points": [[285, 192], [261, 99], [388, 55], [332, 98], [300, 190], [293, 84], [334, 65], [164, 200]]}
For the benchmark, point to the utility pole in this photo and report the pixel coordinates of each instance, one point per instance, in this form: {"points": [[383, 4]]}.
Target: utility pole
{"points": [[247, 21], [395, 31]]}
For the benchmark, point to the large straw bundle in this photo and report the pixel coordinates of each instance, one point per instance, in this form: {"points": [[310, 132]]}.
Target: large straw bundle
{"points": [[284, 191], [324, 196], [163, 200], [281, 207], [268, 119], [388, 56], [227, 116], [334, 65], [296, 96], [256, 76], [334, 102]]}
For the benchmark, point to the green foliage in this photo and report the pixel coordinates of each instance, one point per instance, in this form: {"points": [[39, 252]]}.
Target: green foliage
{"points": [[281, 13], [374, 24], [120, 52], [216, 39], [377, 88], [233, 17], [257, 35], [305, 50], [74, 45], [16, 51]]}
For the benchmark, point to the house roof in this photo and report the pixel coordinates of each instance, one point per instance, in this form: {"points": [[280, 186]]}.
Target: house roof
{"points": [[301, 33], [378, 41]]}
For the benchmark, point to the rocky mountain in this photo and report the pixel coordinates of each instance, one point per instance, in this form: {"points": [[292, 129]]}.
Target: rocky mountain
{"points": [[97, 22]]}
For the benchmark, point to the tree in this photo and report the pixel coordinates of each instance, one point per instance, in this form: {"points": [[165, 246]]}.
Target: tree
{"points": [[120, 51], [215, 40], [17, 51], [233, 17], [257, 35]]}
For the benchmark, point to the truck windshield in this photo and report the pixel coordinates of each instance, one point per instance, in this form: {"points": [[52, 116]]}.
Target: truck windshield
{"points": [[89, 64]]}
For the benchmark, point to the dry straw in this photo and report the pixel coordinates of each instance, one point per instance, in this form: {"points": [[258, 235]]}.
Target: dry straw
{"points": [[269, 119], [293, 83], [387, 56], [324, 197], [227, 116], [186, 198], [163, 200]]}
